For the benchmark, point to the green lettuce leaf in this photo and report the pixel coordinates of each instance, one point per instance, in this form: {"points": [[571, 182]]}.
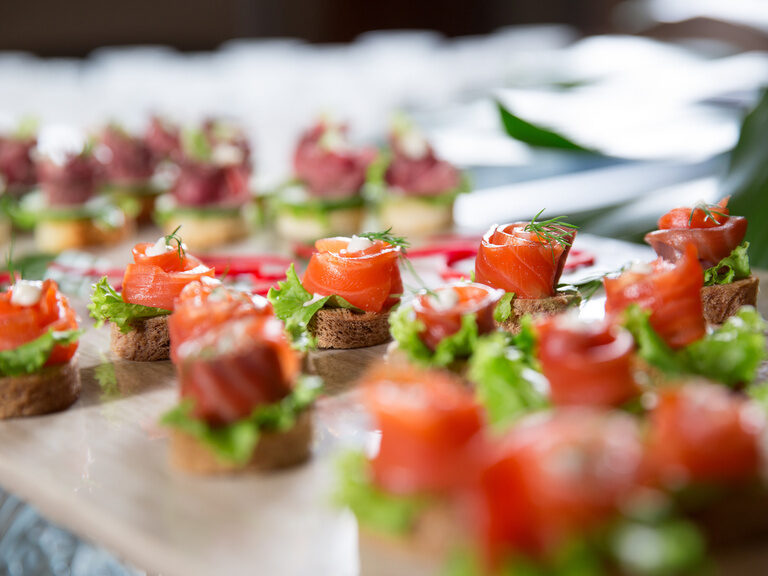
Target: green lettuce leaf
{"points": [[236, 442], [30, 357], [373, 507], [406, 329], [731, 354], [108, 305], [503, 309], [734, 267], [296, 307], [504, 382]]}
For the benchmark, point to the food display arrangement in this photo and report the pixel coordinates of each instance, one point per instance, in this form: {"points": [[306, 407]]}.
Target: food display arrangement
{"points": [[505, 432]]}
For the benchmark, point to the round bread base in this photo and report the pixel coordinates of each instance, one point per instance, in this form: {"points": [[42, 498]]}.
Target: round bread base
{"points": [[722, 301], [55, 236], [209, 231], [341, 329], [274, 450], [414, 216], [52, 389], [423, 551], [307, 228], [537, 307], [147, 341]]}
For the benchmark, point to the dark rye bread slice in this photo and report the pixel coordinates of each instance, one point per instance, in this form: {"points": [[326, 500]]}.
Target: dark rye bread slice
{"points": [[52, 389], [537, 307], [274, 450], [147, 341], [722, 301], [341, 329]]}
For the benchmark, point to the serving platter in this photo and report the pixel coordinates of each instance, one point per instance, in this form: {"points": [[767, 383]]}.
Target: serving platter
{"points": [[100, 469]]}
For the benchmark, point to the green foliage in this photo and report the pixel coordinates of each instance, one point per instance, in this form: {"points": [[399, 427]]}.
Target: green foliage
{"points": [[30, 357], [236, 442], [536, 136], [733, 267], [107, 305]]}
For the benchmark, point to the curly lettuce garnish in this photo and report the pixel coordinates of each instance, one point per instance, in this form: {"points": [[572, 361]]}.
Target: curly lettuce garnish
{"points": [[731, 268], [406, 330], [32, 356], [503, 309], [107, 305], [236, 442], [504, 381], [296, 307], [731, 354]]}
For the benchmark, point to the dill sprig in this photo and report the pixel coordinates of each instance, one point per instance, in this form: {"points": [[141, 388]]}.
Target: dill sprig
{"points": [[710, 211], [174, 237], [552, 231], [389, 238], [403, 244]]}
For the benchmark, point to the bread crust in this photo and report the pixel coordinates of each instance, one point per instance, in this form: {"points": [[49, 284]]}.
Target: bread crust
{"points": [[55, 236], [147, 341], [342, 329], [414, 216], [209, 231], [52, 389], [274, 450], [722, 301], [537, 307]]}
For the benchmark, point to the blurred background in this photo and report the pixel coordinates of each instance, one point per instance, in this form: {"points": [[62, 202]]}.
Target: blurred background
{"points": [[657, 90]]}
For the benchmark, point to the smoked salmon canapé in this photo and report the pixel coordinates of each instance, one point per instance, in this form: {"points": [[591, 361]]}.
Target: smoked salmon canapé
{"points": [[324, 196], [206, 303], [65, 211], [660, 304], [346, 293], [38, 340], [723, 254], [210, 195], [405, 491], [244, 404], [151, 284], [586, 363], [412, 189], [128, 167], [440, 327], [526, 259]]}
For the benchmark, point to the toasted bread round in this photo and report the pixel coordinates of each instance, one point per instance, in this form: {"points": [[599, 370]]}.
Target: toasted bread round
{"points": [[58, 235], [537, 307], [341, 329], [52, 389], [309, 227], [147, 341], [422, 551], [722, 301], [202, 232], [415, 216], [275, 450]]}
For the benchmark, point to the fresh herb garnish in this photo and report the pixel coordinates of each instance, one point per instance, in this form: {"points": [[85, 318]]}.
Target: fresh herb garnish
{"points": [[403, 244], [710, 211], [552, 231], [174, 237], [389, 238]]}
